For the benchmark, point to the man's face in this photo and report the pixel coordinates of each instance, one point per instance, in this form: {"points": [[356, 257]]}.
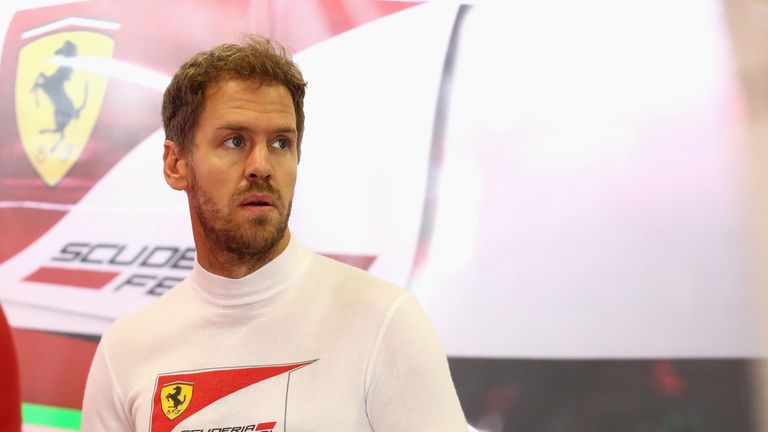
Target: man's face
{"points": [[242, 168]]}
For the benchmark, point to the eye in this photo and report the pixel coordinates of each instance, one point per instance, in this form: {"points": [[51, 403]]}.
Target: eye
{"points": [[282, 143], [235, 141]]}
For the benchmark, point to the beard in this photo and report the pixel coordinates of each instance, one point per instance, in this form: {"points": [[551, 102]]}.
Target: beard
{"points": [[253, 237]]}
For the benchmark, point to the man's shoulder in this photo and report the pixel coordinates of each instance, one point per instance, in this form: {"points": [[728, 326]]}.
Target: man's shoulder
{"points": [[353, 286], [347, 274], [136, 326]]}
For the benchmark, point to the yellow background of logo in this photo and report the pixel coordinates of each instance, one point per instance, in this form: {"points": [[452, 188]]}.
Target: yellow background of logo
{"points": [[167, 402], [52, 161]]}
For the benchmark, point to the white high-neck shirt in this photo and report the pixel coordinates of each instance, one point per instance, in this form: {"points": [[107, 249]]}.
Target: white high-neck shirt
{"points": [[302, 344]]}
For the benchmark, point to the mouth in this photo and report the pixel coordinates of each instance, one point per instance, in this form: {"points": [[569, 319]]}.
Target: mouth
{"points": [[257, 201]]}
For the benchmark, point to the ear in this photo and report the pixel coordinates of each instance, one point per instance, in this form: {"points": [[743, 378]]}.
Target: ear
{"points": [[175, 166]]}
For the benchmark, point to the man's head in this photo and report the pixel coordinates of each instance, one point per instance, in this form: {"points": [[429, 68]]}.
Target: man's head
{"points": [[237, 162], [256, 58]]}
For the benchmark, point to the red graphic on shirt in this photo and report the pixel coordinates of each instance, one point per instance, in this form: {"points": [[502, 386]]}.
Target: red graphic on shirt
{"points": [[209, 386]]}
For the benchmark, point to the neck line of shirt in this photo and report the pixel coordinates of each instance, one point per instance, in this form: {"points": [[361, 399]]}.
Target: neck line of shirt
{"points": [[262, 286]]}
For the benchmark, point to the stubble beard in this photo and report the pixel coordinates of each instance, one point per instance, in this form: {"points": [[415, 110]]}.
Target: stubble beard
{"points": [[252, 240]]}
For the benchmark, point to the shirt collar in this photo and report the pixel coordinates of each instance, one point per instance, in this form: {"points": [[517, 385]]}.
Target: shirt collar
{"points": [[261, 286]]}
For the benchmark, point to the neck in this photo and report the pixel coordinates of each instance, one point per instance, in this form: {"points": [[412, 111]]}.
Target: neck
{"points": [[219, 261]]}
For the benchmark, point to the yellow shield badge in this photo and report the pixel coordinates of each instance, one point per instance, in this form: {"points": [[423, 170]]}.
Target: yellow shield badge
{"points": [[59, 92], [175, 397]]}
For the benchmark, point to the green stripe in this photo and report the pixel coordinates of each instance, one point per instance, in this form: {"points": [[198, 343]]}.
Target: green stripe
{"points": [[45, 415]]}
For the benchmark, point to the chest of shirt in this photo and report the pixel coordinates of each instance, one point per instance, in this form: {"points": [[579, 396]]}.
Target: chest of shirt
{"points": [[304, 394]]}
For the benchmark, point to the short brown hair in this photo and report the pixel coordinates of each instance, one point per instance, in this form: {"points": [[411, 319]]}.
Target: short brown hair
{"points": [[255, 58]]}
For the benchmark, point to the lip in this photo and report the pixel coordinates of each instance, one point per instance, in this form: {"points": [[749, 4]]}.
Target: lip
{"points": [[265, 198], [261, 210]]}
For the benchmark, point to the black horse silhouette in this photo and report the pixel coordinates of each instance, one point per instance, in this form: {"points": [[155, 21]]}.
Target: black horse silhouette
{"points": [[64, 110], [174, 397]]}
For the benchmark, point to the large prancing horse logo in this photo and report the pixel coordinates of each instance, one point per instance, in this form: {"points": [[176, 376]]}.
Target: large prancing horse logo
{"points": [[64, 110], [70, 69]]}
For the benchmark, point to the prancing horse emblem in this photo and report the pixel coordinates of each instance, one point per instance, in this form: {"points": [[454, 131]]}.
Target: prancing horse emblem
{"points": [[64, 110], [175, 398], [61, 81]]}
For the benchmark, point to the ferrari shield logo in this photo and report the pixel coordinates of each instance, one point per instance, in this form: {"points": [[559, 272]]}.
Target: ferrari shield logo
{"points": [[59, 91], [175, 397]]}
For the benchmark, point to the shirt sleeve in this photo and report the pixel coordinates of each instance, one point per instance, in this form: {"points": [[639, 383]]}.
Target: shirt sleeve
{"points": [[409, 385], [103, 405]]}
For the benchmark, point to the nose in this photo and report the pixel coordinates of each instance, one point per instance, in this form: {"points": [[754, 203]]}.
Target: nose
{"points": [[258, 165]]}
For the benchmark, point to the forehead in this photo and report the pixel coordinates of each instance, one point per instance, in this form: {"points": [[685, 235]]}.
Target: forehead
{"points": [[248, 96]]}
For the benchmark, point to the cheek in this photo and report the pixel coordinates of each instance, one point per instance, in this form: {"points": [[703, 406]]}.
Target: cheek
{"points": [[218, 169], [229, 159], [220, 183], [290, 183]]}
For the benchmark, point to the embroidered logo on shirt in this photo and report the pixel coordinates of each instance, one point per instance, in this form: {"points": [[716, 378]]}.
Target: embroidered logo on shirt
{"points": [[173, 403], [175, 397]]}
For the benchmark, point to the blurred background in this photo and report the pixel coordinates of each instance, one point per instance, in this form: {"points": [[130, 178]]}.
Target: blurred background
{"points": [[574, 190]]}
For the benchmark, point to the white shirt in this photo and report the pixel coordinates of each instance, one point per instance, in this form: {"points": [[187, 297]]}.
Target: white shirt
{"points": [[303, 344]]}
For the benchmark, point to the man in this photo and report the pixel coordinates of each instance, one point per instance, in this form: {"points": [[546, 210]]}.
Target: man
{"points": [[264, 335]]}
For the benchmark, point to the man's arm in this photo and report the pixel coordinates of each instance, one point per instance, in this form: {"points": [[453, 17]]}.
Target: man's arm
{"points": [[409, 384], [103, 405]]}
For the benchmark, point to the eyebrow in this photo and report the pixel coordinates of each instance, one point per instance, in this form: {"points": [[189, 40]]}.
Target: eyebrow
{"points": [[240, 128]]}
